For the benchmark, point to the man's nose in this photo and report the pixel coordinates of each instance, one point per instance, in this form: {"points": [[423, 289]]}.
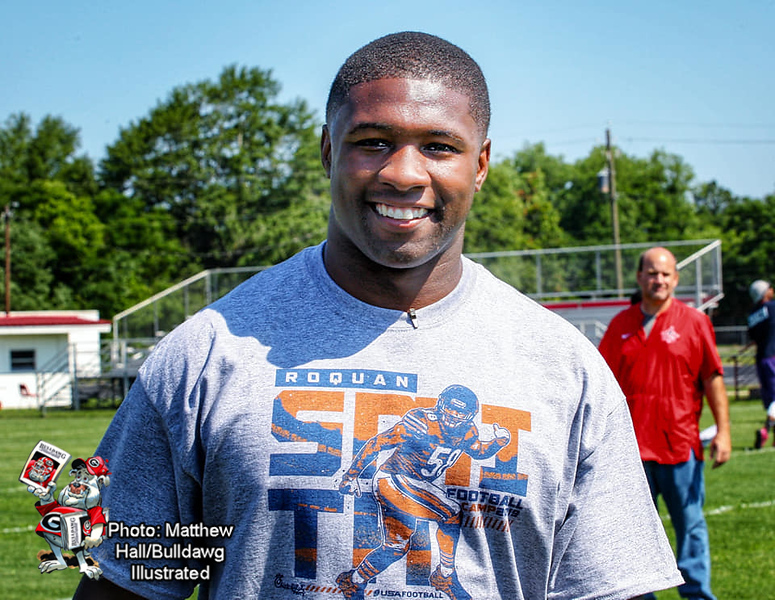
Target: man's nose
{"points": [[405, 169]]}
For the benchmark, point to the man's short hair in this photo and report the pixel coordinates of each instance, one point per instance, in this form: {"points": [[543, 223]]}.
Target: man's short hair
{"points": [[414, 55]]}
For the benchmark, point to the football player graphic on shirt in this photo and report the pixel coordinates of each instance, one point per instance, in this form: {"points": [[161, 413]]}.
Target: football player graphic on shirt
{"points": [[424, 444]]}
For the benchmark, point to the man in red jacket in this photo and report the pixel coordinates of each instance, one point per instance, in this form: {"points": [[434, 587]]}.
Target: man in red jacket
{"points": [[663, 353]]}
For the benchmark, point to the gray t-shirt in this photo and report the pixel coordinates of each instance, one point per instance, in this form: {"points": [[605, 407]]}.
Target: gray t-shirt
{"points": [[249, 415]]}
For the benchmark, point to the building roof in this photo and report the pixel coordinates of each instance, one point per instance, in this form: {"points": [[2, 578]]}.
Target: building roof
{"points": [[43, 320]]}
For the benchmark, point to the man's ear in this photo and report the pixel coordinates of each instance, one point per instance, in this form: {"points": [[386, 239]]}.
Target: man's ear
{"points": [[325, 150], [483, 164]]}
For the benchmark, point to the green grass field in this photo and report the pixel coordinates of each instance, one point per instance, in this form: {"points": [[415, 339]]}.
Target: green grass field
{"points": [[740, 505]]}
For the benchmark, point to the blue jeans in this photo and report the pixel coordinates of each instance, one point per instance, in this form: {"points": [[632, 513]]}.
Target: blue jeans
{"points": [[682, 488]]}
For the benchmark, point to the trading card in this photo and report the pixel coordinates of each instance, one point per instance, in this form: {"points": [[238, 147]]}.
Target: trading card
{"points": [[43, 465]]}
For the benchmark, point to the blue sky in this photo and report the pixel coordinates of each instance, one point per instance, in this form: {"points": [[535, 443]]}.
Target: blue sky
{"points": [[695, 78]]}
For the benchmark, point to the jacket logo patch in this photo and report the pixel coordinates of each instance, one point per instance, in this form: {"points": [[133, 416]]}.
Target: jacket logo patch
{"points": [[670, 335]]}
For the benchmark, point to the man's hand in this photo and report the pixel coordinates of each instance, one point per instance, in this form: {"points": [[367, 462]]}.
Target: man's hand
{"points": [[720, 449], [348, 484], [502, 435], [716, 393]]}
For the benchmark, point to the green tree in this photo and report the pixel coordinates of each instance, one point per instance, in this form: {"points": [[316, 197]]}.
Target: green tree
{"points": [[558, 175], [711, 200], [72, 229], [32, 280], [142, 253], [658, 190], [512, 212], [46, 153], [221, 158], [54, 232], [748, 246], [73, 247], [653, 199]]}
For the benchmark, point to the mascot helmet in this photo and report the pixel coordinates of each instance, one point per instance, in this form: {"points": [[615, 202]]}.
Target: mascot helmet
{"points": [[95, 465]]}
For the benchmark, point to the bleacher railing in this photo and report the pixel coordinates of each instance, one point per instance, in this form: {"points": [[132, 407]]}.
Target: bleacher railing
{"points": [[553, 275], [588, 272], [580, 283], [162, 312]]}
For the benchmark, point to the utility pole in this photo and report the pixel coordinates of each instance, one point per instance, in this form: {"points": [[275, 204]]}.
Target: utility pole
{"points": [[614, 211], [7, 217]]}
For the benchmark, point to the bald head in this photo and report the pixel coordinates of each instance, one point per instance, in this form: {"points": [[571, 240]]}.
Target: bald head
{"points": [[657, 277], [657, 253]]}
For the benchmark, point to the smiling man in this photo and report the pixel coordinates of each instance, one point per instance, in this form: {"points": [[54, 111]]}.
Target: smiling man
{"points": [[379, 416], [405, 157], [664, 355]]}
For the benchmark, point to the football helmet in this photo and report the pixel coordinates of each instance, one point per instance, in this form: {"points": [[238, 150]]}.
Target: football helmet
{"points": [[456, 405]]}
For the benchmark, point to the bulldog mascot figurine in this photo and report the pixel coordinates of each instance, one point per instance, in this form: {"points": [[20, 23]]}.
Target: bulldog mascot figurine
{"points": [[75, 521]]}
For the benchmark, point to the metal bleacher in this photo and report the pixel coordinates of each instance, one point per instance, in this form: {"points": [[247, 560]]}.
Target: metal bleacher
{"points": [[578, 283]]}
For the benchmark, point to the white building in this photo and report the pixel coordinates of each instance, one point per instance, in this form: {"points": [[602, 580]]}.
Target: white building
{"points": [[42, 352]]}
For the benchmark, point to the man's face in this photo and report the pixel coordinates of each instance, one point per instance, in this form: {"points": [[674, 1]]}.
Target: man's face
{"points": [[405, 158], [452, 417], [659, 276]]}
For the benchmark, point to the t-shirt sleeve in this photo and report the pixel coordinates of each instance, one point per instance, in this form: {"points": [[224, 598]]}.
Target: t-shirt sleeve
{"points": [[611, 342], [611, 534], [146, 492], [606, 347]]}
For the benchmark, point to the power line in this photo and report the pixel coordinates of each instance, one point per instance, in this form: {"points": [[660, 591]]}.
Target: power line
{"points": [[660, 140], [709, 125], [590, 140], [744, 142]]}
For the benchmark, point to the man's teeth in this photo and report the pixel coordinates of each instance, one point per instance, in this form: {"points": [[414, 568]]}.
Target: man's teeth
{"points": [[403, 214]]}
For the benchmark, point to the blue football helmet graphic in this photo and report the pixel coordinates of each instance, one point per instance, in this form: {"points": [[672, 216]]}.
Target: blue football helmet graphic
{"points": [[455, 406]]}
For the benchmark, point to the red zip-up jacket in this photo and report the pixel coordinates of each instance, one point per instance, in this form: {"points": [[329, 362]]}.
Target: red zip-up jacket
{"points": [[661, 375]]}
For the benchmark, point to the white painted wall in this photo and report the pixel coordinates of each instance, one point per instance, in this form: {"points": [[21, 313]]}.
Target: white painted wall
{"points": [[49, 342]]}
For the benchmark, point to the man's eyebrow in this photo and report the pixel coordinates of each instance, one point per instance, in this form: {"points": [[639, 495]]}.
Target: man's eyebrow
{"points": [[446, 134], [443, 133], [369, 125]]}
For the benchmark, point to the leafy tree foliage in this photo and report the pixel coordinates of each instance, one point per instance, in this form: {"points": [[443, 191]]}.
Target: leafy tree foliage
{"points": [[711, 200], [512, 212], [223, 159], [144, 255], [47, 153], [221, 173], [749, 246], [558, 175], [653, 199], [54, 233]]}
